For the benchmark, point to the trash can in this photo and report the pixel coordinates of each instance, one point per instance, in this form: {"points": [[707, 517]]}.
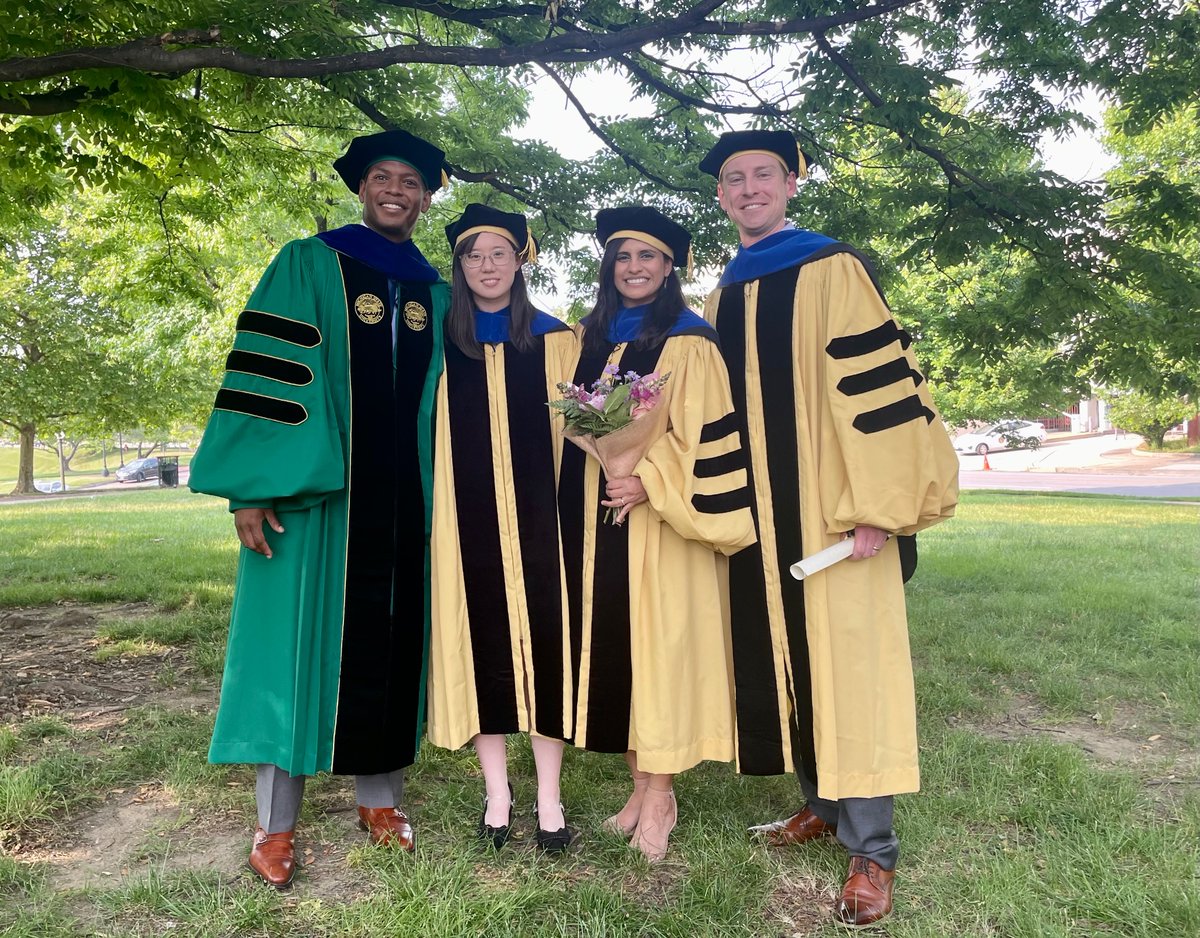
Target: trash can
{"points": [[168, 471]]}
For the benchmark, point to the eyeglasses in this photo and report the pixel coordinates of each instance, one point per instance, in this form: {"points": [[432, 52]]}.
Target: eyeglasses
{"points": [[501, 257]]}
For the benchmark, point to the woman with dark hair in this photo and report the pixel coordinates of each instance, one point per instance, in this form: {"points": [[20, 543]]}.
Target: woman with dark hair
{"points": [[649, 631], [500, 650]]}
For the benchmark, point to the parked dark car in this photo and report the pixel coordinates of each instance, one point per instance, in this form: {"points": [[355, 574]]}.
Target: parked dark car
{"points": [[139, 470]]}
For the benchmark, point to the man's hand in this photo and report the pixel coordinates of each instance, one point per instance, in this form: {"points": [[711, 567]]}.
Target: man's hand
{"points": [[868, 541], [249, 524]]}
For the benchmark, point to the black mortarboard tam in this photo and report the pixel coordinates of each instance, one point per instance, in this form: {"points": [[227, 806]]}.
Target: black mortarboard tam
{"points": [[779, 143], [365, 152], [478, 218], [649, 225]]}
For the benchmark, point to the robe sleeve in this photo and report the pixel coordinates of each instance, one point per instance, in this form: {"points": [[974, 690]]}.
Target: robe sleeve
{"points": [[273, 435], [562, 355], [695, 474], [885, 458]]}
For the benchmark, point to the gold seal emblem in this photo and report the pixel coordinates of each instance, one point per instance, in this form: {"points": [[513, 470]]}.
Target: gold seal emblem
{"points": [[415, 316], [369, 308]]}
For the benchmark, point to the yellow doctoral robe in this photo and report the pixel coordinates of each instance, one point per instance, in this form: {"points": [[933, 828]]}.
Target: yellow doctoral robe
{"points": [[841, 431], [649, 626], [499, 649]]}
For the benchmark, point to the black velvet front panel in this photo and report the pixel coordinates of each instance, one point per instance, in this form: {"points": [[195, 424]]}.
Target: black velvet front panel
{"points": [[760, 746], [610, 684], [532, 448], [383, 632], [776, 299], [479, 537]]}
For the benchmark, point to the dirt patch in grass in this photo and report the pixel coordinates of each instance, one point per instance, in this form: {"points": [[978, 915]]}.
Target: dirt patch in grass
{"points": [[799, 904], [139, 832], [1127, 740], [48, 665]]}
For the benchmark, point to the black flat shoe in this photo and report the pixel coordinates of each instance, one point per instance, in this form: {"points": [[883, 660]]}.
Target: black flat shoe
{"points": [[554, 841], [497, 835]]}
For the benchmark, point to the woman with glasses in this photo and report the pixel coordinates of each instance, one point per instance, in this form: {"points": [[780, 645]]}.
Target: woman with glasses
{"points": [[653, 672], [500, 649]]}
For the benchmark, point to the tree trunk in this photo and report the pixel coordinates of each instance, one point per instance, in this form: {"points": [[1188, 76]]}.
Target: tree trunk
{"points": [[25, 461]]}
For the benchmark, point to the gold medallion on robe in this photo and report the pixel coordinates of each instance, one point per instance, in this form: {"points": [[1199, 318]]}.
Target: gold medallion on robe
{"points": [[415, 316], [369, 308]]}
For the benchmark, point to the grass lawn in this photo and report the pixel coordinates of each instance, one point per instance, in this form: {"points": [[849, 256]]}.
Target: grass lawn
{"points": [[1058, 667]]}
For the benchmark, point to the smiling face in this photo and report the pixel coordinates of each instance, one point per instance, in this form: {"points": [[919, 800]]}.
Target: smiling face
{"points": [[639, 272], [491, 282], [754, 190], [393, 196]]}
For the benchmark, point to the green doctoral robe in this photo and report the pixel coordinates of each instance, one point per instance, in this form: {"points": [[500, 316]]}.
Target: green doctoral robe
{"points": [[324, 415]]}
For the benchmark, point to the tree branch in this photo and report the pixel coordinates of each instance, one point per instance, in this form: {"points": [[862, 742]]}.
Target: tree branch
{"points": [[954, 173], [57, 102], [630, 161], [152, 54]]}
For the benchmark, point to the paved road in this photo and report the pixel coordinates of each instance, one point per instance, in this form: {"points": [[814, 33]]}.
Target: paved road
{"points": [[1158, 484], [1100, 464]]}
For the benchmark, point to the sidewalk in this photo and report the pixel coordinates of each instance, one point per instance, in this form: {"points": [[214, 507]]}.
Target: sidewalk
{"points": [[1102, 452]]}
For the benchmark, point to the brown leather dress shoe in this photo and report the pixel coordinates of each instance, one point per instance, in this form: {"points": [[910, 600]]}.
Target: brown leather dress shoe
{"points": [[867, 895], [387, 827], [798, 829], [273, 857]]}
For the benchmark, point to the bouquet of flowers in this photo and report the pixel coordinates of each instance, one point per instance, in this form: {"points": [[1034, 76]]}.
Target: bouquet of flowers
{"points": [[609, 420]]}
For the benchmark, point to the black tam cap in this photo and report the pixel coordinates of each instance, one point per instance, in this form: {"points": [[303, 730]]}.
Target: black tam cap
{"points": [[645, 224], [779, 143], [478, 218], [365, 152]]}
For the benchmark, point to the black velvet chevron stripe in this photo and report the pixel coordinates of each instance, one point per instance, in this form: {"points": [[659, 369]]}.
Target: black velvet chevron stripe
{"points": [[707, 332], [277, 327], [268, 366], [895, 370], [715, 466], [719, 429], [894, 414], [723, 502], [258, 405], [851, 346]]}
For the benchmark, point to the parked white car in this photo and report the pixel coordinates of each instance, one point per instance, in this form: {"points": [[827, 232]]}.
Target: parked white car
{"points": [[1002, 435], [47, 487]]}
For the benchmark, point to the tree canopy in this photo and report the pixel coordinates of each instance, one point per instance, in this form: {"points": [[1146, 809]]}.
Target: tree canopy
{"points": [[212, 125]]}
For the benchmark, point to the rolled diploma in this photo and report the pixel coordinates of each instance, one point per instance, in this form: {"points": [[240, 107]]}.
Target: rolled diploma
{"points": [[822, 558]]}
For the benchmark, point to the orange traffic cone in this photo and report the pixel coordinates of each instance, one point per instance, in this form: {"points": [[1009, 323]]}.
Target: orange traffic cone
{"points": [[985, 462]]}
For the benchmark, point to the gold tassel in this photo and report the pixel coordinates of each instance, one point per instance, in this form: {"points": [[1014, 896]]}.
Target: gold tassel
{"points": [[691, 263], [445, 178], [801, 161], [530, 250]]}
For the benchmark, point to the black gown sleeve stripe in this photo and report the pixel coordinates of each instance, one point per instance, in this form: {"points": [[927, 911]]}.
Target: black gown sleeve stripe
{"points": [[287, 330], [863, 343], [269, 366], [892, 415], [715, 466], [259, 405], [875, 378], [719, 429], [722, 502]]}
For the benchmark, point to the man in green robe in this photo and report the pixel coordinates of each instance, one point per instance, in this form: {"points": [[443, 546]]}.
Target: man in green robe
{"points": [[319, 438]]}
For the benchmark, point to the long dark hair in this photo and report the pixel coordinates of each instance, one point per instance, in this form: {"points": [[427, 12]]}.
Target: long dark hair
{"points": [[460, 321], [664, 308]]}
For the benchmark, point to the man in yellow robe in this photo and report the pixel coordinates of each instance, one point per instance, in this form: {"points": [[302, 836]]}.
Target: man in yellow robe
{"points": [[844, 440]]}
